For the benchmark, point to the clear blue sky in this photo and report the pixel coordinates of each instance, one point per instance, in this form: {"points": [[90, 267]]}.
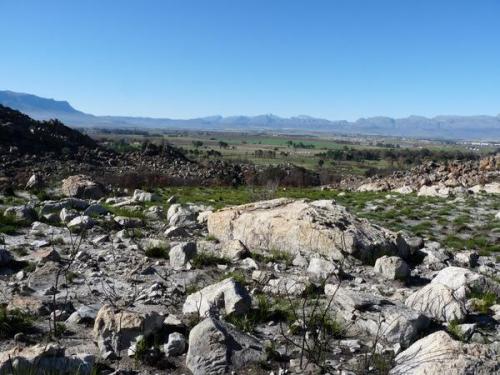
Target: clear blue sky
{"points": [[185, 58]]}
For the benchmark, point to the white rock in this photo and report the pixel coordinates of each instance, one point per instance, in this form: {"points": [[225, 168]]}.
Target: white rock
{"points": [[227, 295], [295, 226], [373, 314], [116, 330], [144, 196], [203, 217], [320, 270], [404, 190], [437, 301], [434, 191], [462, 281], [300, 261], [81, 222], [438, 353], [34, 182], [81, 186], [467, 258], [287, 286], [249, 264], [215, 347], [176, 344], [183, 215], [128, 222], [68, 214], [181, 254], [234, 250], [392, 268], [48, 358]]}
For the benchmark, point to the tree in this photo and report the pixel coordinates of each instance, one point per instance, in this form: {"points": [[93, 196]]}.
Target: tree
{"points": [[223, 144], [197, 144]]}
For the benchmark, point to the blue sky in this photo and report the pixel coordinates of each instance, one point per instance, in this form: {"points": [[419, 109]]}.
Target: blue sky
{"points": [[184, 58]]}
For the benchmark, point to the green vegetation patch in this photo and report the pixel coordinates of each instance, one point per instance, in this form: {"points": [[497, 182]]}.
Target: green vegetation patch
{"points": [[14, 321]]}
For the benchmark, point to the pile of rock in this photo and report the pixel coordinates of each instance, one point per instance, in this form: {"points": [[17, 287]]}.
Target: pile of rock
{"points": [[441, 180]]}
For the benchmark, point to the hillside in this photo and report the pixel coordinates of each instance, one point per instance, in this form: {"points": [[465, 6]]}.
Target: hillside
{"points": [[31, 136]]}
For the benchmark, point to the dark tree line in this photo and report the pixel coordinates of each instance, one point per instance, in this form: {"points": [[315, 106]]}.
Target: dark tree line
{"points": [[406, 155]]}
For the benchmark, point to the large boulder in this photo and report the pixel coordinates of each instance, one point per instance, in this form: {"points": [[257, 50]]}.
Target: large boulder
{"points": [[293, 226], [115, 330], [216, 347], [437, 301], [227, 295], [81, 186], [368, 313], [445, 297], [463, 282], [438, 353], [44, 359]]}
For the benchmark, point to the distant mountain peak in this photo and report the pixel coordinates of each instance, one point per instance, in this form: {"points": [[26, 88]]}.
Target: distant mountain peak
{"points": [[30, 103], [484, 128]]}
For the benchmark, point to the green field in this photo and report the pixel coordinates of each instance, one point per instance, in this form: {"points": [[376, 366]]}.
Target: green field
{"points": [[304, 151]]}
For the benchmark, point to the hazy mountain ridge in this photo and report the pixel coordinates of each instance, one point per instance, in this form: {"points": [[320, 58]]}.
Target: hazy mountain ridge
{"points": [[480, 127]]}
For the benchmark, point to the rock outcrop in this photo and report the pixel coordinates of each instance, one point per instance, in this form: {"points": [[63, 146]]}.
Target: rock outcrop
{"points": [[321, 227], [115, 330], [81, 186]]}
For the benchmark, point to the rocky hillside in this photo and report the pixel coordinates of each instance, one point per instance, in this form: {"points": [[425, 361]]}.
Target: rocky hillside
{"points": [[25, 135], [143, 284], [436, 179]]}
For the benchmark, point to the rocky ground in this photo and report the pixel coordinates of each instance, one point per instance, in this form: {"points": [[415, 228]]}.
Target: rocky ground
{"points": [[98, 281]]}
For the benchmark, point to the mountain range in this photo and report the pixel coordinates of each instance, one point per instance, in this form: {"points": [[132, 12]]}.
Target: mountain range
{"points": [[479, 128]]}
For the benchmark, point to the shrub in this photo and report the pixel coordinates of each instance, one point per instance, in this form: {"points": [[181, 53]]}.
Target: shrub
{"points": [[14, 321], [157, 252], [455, 331], [483, 301], [204, 259]]}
